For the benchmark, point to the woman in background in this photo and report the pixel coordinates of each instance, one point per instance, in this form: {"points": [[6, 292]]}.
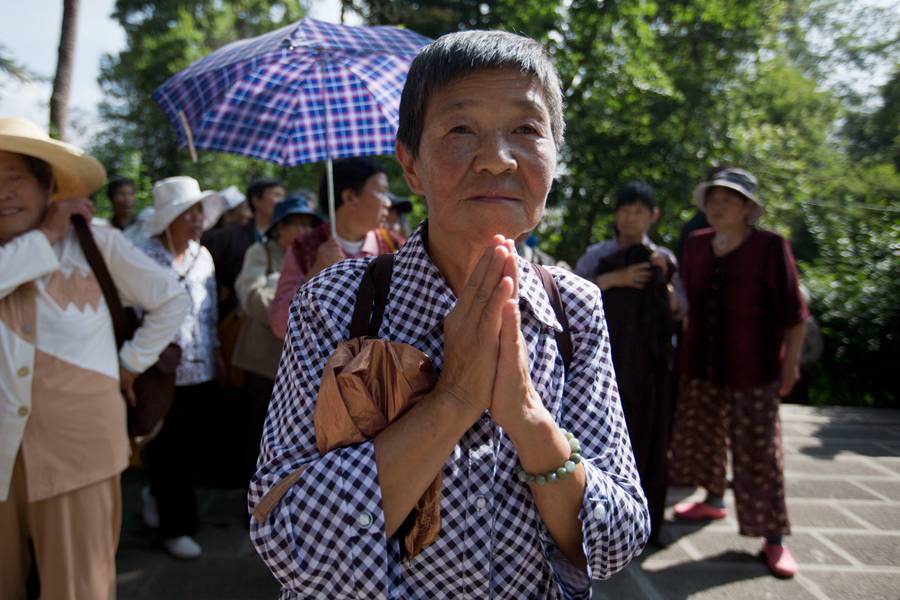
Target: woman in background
{"points": [[172, 456], [745, 306]]}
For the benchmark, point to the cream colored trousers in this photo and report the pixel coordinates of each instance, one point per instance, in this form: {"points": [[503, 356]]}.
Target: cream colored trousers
{"points": [[75, 536]]}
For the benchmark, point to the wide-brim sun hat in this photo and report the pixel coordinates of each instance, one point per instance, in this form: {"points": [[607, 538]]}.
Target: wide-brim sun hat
{"points": [[297, 204], [739, 180], [218, 203], [173, 196], [76, 174]]}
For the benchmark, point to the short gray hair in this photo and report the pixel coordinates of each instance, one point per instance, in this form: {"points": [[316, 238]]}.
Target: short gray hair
{"points": [[456, 55]]}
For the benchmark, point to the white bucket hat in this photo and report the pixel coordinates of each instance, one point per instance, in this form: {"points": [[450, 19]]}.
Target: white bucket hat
{"points": [[174, 195], [219, 203], [739, 180], [75, 173]]}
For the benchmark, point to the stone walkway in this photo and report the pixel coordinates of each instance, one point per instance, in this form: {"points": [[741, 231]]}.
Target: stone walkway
{"points": [[843, 485], [843, 480]]}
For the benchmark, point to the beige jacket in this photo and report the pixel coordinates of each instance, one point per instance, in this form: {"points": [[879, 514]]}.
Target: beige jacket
{"points": [[60, 402], [257, 349]]}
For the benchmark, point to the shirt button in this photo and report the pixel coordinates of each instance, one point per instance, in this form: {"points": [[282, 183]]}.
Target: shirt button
{"points": [[364, 519], [23, 372], [23, 411], [600, 512], [480, 503], [27, 329]]}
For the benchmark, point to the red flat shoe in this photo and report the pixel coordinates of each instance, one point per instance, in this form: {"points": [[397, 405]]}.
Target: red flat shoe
{"points": [[779, 560], [699, 511]]}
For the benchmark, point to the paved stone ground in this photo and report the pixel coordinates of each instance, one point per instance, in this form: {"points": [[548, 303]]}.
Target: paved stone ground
{"points": [[843, 485], [843, 480]]}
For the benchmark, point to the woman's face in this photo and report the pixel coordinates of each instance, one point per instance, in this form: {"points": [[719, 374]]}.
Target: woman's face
{"points": [[369, 206], [726, 209], [291, 228], [264, 204], [22, 198], [486, 158], [189, 224], [123, 202]]}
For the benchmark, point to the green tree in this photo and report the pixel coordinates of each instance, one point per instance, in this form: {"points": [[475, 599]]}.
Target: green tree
{"points": [[65, 61], [10, 67], [661, 91], [163, 37]]}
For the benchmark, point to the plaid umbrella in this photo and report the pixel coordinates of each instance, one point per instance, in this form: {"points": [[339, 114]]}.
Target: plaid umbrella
{"points": [[307, 92]]}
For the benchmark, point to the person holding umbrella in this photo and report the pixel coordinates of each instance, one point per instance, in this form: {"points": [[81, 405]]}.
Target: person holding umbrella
{"points": [[361, 201], [539, 489]]}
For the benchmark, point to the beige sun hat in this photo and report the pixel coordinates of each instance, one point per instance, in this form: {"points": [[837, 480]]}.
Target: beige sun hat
{"points": [[741, 181], [174, 195], [76, 174]]}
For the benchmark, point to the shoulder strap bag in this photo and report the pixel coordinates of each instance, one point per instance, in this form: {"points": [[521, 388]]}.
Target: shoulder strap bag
{"points": [[155, 387]]}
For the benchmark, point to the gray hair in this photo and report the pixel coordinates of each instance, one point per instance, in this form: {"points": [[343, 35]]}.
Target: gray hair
{"points": [[456, 55]]}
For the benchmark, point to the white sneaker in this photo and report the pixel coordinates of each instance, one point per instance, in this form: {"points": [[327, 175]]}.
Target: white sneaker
{"points": [[149, 512], [183, 547]]}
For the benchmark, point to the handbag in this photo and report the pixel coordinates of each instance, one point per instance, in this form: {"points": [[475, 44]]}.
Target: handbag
{"points": [[154, 389]]}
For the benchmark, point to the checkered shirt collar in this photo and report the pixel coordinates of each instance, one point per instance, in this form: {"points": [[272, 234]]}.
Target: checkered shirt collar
{"points": [[419, 276]]}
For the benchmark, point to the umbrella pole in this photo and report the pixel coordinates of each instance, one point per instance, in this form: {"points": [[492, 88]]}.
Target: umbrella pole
{"points": [[329, 167]]}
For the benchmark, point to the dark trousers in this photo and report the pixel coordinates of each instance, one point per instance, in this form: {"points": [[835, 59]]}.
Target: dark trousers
{"points": [[712, 419], [174, 456], [649, 424], [258, 391]]}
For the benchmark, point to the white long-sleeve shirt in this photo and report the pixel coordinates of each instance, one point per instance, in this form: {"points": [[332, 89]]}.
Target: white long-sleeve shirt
{"points": [[60, 403]]}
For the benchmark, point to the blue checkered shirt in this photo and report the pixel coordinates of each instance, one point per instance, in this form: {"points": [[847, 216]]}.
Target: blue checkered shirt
{"points": [[326, 537]]}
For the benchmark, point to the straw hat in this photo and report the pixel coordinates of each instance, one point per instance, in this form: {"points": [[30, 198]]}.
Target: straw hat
{"points": [[174, 195], [75, 173], [741, 181]]}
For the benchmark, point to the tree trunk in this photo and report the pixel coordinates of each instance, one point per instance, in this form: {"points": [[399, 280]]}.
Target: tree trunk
{"points": [[62, 82]]}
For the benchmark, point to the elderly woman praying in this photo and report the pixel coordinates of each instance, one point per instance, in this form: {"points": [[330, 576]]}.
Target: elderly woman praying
{"points": [[539, 492]]}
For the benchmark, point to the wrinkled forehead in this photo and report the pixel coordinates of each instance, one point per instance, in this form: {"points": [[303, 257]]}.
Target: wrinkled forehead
{"points": [[486, 88]]}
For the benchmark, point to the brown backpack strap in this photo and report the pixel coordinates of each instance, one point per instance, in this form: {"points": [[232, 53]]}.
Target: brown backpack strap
{"points": [[564, 337], [371, 297], [101, 272]]}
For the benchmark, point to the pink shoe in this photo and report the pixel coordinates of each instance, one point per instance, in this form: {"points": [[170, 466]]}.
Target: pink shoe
{"points": [[779, 560], [699, 511]]}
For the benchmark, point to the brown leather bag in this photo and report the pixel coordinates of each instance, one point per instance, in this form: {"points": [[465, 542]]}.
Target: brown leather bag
{"points": [[155, 387]]}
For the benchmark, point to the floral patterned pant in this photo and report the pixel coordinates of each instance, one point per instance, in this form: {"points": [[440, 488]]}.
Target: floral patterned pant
{"points": [[711, 419]]}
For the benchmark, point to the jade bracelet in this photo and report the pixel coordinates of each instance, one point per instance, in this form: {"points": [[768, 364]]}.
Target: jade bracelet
{"points": [[557, 474]]}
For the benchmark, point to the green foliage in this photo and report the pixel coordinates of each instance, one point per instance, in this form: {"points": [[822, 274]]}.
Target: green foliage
{"points": [[663, 91], [164, 37], [10, 67], [658, 91], [854, 282]]}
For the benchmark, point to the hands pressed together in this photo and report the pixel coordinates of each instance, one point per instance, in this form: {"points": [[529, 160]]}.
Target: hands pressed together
{"points": [[485, 355], [485, 368]]}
